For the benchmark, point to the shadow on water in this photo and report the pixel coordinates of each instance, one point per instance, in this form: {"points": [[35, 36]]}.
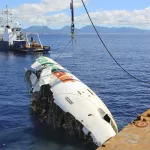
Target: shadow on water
{"points": [[59, 136], [40, 136]]}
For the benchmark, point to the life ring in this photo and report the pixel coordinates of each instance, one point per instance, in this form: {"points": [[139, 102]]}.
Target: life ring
{"points": [[141, 124]]}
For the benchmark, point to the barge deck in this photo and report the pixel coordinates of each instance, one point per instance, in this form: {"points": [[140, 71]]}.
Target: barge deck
{"points": [[135, 136]]}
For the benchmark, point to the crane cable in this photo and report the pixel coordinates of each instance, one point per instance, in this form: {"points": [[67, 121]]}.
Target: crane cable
{"points": [[72, 20], [63, 50], [108, 50], [72, 30]]}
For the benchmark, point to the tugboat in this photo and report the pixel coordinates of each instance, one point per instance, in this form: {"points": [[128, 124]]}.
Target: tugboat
{"points": [[13, 39], [29, 45]]}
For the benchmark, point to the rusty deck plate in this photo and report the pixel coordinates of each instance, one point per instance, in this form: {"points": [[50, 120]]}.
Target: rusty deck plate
{"points": [[135, 136]]}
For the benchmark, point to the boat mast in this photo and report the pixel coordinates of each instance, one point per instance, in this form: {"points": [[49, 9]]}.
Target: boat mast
{"points": [[1, 18], [7, 13], [0, 21], [39, 40]]}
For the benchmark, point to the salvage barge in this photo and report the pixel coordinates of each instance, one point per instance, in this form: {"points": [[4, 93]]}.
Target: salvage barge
{"points": [[135, 136], [63, 101]]}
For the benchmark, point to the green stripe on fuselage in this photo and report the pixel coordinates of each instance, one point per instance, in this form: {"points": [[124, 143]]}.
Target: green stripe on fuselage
{"points": [[44, 61]]}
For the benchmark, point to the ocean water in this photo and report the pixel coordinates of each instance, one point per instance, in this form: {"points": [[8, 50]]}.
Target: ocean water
{"points": [[89, 61]]}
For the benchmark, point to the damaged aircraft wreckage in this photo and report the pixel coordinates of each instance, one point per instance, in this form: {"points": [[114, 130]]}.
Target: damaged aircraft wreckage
{"points": [[63, 101]]}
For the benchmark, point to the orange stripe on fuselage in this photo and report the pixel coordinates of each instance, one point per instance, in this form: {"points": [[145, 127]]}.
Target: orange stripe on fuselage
{"points": [[63, 77]]}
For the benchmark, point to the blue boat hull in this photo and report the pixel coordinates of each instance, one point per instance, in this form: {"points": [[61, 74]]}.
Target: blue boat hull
{"points": [[4, 46], [29, 50]]}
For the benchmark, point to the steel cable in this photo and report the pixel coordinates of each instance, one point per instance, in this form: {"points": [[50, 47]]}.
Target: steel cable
{"points": [[63, 50], [108, 50]]}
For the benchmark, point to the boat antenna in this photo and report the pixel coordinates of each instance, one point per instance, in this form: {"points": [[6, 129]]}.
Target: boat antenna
{"points": [[72, 20], [7, 13]]}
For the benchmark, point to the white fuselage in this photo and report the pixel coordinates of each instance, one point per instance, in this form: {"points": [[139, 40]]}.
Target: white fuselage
{"points": [[73, 96]]}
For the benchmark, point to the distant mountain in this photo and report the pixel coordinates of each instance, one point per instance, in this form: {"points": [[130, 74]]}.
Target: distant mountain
{"points": [[65, 29], [86, 29], [90, 29], [38, 29]]}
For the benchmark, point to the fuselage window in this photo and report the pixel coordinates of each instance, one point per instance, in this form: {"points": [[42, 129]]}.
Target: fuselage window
{"points": [[107, 118]]}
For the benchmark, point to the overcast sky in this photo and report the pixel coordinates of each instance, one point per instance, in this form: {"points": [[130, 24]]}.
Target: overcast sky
{"points": [[56, 13]]}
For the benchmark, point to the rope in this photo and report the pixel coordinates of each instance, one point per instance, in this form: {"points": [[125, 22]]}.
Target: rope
{"points": [[63, 50], [73, 57], [109, 51]]}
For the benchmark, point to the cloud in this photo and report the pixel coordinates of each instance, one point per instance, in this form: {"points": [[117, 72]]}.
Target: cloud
{"points": [[46, 6], [117, 18], [58, 20], [37, 14]]}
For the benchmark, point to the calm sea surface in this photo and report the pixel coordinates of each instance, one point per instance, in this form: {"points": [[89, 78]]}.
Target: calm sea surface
{"points": [[88, 60]]}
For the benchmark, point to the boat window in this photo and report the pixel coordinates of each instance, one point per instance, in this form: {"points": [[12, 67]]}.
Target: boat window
{"points": [[18, 29], [18, 43], [8, 26]]}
